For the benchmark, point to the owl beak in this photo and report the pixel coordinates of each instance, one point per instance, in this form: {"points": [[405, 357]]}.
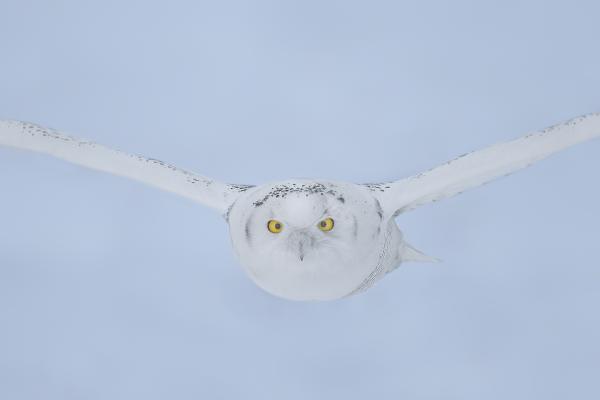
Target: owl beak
{"points": [[302, 241]]}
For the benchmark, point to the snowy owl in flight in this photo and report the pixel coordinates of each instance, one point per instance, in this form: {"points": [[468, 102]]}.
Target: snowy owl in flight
{"points": [[305, 239]]}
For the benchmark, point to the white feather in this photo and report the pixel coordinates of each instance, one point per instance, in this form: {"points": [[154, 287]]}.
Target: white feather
{"points": [[153, 172], [480, 167]]}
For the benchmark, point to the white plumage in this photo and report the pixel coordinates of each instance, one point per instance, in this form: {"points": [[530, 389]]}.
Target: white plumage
{"points": [[314, 239]]}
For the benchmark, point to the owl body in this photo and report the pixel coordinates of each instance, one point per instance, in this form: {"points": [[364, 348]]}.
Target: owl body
{"points": [[305, 239], [302, 261]]}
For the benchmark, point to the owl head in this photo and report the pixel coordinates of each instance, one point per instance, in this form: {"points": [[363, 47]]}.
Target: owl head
{"points": [[307, 240]]}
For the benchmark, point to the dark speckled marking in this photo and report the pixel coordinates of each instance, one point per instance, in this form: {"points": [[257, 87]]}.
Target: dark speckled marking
{"points": [[247, 231], [378, 230], [379, 209], [281, 191], [377, 187], [239, 187], [228, 213]]}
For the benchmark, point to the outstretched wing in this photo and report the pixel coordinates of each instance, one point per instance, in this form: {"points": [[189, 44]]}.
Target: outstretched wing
{"points": [[477, 168], [147, 170]]}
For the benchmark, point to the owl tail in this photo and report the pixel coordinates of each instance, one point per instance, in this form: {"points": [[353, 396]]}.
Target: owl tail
{"points": [[410, 254]]}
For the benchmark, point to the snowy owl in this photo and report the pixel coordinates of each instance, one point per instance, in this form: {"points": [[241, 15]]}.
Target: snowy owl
{"points": [[305, 239]]}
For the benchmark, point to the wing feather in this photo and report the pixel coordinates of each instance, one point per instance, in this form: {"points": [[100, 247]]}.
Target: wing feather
{"points": [[477, 168], [153, 172]]}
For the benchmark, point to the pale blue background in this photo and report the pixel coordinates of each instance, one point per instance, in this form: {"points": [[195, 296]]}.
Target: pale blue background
{"points": [[113, 290]]}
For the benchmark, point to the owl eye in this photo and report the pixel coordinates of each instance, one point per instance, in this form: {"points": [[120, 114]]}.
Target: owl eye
{"points": [[326, 225], [274, 226]]}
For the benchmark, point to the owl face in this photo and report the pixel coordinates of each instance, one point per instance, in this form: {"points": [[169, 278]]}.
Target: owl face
{"points": [[307, 240]]}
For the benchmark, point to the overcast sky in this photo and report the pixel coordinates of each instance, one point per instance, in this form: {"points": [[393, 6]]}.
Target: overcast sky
{"points": [[113, 290]]}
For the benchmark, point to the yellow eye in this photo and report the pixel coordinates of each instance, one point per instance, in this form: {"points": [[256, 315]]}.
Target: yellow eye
{"points": [[274, 226], [326, 225]]}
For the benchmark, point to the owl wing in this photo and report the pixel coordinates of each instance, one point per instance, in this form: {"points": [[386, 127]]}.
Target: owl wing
{"points": [[153, 172], [480, 167]]}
